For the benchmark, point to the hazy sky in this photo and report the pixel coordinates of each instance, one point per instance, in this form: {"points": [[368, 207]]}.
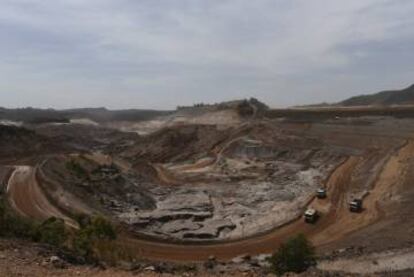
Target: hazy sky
{"points": [[163, 53]]}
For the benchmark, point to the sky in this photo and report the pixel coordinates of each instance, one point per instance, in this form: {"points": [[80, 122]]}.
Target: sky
{"points": [[162, 53]]}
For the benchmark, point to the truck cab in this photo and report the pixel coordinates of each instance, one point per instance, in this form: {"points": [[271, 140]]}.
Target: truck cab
{"points": [[355, 205], [321, 193], [310, 216]]}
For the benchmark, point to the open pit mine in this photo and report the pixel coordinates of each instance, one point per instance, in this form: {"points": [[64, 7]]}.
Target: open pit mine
{"points": [[223, 181]]}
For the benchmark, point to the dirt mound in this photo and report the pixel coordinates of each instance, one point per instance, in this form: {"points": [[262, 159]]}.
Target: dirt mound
{"points": [[174, 144]]}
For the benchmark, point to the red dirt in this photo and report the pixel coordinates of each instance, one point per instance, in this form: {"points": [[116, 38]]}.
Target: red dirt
{"points": [[27, 198], [260, 244]]}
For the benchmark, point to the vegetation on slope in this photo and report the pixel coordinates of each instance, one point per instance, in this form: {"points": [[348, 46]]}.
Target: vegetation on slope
{"points": [[296, 255], [84, 242]]}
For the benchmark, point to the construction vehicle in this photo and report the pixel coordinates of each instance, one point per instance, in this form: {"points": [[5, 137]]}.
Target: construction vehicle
{"points": [[311, 216], [321, 193], [355, 205]]}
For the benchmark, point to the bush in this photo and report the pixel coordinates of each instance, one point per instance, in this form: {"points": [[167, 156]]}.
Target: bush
{"points": [[83, 243], [51, 231], [103, 229], [83, 220], [93, 237], [12, 225], [296, 255], [2, 212], [18, 227], [92, 232], [75, 167]]}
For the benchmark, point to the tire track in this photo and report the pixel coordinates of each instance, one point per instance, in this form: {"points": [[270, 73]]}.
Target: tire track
{"points": [[28, 200]]}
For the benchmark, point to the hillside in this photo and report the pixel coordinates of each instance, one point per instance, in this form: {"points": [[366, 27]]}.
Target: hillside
{"points": [[383, 98], [33, 115], [16, 142], [228, 181], [200, 113]]}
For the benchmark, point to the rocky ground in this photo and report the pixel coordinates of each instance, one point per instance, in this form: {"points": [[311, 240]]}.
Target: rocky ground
{"points": [[24, 259], [19, 258], [231, 190], [248, 182]]}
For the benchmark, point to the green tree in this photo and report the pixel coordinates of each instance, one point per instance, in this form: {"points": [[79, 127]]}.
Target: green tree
{"points": [[51, 231], [296, 255], [92, 232]]}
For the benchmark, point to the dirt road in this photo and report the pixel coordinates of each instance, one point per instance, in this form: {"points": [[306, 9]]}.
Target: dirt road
{"points": [[27, 198], [265, 243], [335, 223]]}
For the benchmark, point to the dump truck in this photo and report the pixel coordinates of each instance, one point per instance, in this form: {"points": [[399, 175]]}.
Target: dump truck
{"points": [[355, 205], [311, 215], [321, 193]]}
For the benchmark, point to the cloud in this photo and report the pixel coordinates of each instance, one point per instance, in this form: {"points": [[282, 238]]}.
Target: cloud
{"points": [[125, 53]]}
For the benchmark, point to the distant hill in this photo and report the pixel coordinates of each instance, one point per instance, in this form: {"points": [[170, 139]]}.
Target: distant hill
{"points": [[245, 107], [383, 98], [33, 115]]}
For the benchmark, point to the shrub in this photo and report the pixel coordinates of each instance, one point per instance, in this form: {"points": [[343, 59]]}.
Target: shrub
{"points": [[75, 167], [83, 242], [83, 220], [92, 232], [296, 255], [103, 229], [51, 231], [2, 212], [18, 227], [12, 225], [3, 223]]}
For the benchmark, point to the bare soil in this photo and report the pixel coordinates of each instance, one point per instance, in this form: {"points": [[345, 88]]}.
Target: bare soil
{"points": [[369, 158]]}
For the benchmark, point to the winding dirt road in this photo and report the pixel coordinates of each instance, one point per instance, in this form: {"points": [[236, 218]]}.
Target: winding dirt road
{"points": [[335, 223], [265, 243], [27, 198]]}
